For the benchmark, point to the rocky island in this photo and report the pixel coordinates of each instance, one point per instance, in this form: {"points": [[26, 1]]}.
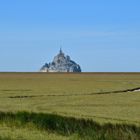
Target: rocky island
{"points": [[61, 63]]}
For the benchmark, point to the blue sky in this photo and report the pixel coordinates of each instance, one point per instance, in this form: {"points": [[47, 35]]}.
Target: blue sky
{"points": [[100, 35]]}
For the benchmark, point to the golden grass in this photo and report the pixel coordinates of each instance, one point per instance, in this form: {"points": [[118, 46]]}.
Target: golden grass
{"points": [[68, 94]]}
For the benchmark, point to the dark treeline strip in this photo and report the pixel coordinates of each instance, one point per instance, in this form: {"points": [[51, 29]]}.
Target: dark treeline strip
{"points": [[15, 90], [119, 91], [86, 129], [84, 94]]}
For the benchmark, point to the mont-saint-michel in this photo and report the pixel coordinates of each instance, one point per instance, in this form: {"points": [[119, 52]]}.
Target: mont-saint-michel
{"points": [[61, 63]]}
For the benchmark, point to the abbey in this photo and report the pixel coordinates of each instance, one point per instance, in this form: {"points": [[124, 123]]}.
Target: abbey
{"points": [[61, 63]]}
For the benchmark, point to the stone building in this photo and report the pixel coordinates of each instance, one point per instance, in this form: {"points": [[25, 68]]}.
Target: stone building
{"points": [[61, 63]]}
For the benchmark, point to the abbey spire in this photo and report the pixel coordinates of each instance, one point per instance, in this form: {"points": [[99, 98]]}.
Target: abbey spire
{"points": [[61, 50]]}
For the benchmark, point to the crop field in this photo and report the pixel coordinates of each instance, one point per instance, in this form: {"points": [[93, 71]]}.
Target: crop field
{"points": [[97, 102]]}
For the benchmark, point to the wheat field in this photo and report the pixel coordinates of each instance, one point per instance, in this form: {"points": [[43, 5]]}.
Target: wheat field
{"points": [[100, 97]]}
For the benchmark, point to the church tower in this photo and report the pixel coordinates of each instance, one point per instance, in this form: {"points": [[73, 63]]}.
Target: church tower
{"points": [[61, 52]]}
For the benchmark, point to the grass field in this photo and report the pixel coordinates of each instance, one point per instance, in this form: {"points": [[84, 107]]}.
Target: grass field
{"points": [[95, 96]]}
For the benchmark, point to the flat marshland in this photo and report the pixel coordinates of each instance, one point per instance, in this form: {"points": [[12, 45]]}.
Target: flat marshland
{"points": [[69, 106]]}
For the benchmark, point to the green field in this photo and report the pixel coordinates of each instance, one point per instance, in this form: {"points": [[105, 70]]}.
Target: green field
{"points": [[98, 97]]}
